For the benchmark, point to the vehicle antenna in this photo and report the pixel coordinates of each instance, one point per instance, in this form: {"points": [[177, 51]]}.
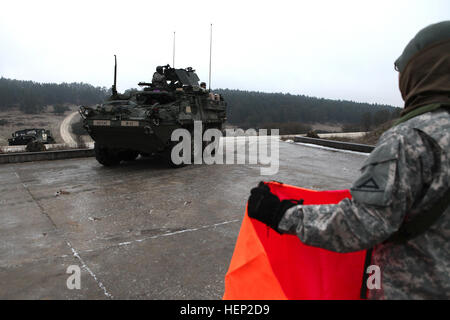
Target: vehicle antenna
{"points": [[173, 62], [114, 87], [210, 54]]}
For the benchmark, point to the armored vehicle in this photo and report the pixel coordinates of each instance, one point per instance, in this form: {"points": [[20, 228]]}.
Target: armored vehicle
{"points": [[142, 122], [23, 137]]}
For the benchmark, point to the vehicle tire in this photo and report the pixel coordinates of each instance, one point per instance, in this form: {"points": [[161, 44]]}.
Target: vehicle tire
{"points": [[129, 155], [105, 156], [35, 146]]}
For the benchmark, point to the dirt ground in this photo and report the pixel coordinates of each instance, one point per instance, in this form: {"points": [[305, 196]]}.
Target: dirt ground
{"points": [[326, 127], [370, 138], [17, 120]]}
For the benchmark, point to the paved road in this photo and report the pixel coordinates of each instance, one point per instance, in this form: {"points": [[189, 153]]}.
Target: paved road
{"points": [[140, 230]]}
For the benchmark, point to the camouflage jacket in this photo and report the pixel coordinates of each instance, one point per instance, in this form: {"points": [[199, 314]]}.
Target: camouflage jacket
{"points": [[406, 174]]}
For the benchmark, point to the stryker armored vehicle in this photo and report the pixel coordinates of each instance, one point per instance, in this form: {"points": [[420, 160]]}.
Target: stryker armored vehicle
{"points": [[142, 122], [23, 137]]}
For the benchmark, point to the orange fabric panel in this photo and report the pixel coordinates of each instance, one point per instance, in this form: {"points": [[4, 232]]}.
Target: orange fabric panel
{"points": [[249, 255], [266, 265]]}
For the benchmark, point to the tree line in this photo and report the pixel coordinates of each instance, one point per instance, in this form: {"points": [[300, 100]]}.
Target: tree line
{"points": [[246, 109], [32, 97], [259, 109]]}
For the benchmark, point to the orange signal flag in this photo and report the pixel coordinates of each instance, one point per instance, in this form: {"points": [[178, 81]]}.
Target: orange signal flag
{"points": [[268, 266]]}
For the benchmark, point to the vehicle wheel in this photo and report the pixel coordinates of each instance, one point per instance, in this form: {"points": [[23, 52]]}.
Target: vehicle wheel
{"points": [[129, 155], [35, 146], [105, 156]]}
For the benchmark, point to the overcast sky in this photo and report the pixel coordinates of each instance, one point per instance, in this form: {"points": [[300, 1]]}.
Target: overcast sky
{"points": [[331, 49]]}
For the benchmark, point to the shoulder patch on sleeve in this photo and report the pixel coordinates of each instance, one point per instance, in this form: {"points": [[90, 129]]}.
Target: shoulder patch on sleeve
{"points": [[370, 184], [375, 185]]}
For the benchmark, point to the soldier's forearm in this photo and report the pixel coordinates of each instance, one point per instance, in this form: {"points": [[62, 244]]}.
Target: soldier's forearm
{"points": [[344, 227]]}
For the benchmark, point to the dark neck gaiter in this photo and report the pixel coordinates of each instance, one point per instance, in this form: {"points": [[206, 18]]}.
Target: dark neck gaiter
{"points": [[426, 77]]}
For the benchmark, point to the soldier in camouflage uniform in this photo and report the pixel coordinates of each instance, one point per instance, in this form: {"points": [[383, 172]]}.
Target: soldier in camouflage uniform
{"points": [[159, 79], [406, 177]]}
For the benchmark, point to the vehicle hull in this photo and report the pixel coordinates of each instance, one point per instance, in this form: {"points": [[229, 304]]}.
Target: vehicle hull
{"points": [[145, 138]]}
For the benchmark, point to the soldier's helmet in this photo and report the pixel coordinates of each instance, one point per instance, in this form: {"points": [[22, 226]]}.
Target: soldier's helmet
{"points": [[159, 69], [431, 35]]}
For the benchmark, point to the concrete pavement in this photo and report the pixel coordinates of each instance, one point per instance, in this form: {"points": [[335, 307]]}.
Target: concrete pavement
{"points": [[140, 230]]}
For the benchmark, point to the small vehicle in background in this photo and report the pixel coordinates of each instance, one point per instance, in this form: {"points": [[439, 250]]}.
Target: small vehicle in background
{"points": [[25, 136]]}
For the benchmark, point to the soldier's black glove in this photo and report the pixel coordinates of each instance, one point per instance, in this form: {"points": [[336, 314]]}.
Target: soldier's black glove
{"points": [[266, 207]]}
